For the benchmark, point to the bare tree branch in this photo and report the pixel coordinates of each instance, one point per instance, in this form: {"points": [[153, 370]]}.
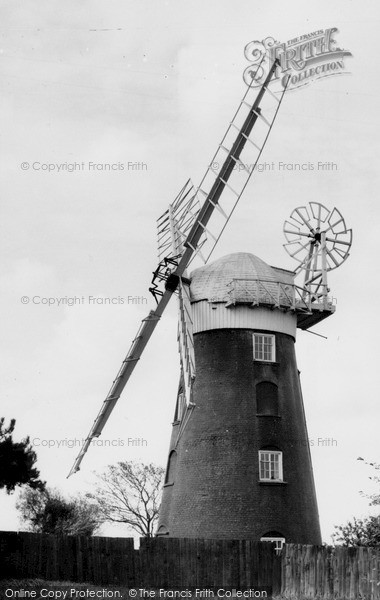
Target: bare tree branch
{"points": [[130, 493]]}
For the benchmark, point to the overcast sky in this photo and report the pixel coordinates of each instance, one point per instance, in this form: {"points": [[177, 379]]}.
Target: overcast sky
{"points": [[156, 82]]}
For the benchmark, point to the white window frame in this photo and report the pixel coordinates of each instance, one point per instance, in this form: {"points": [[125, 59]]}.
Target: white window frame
{"points": [[271, 459], [260, 354], [279, 541]]}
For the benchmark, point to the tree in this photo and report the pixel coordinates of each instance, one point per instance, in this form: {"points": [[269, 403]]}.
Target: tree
{"points": [[17, 460], [374, 498], [130, 493], [359, 532], [362, 532], [47, 511]]}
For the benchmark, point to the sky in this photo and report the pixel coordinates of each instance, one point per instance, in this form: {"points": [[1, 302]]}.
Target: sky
{"points": [[152, 86]]}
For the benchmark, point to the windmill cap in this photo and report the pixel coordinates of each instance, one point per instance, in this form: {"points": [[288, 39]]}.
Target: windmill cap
{"points": [[213, 282]]}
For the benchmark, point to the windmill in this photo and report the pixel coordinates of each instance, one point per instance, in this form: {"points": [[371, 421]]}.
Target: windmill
{"points": [[239, 423], [239, 464]]}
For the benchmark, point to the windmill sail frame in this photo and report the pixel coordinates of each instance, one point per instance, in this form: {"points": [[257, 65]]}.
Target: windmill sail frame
{"points": [[196, 228]]}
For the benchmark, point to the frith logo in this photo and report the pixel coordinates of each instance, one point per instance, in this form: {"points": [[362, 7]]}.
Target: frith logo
{"points": [[301, 60]]}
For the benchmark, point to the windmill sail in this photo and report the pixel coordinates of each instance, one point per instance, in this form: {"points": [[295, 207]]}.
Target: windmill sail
{"points": [[185, 339], [228, 173]]}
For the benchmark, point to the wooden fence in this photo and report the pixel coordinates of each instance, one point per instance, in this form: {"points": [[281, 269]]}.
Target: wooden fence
{"points": [[330, 573], [298, 573], [98, 560], [212, 564]]}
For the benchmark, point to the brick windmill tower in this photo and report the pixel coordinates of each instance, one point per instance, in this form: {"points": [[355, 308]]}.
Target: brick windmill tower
{"points": [[239, 463]]}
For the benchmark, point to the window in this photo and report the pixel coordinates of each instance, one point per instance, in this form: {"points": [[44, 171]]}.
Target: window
{"points": [[275, 537], [170, 471], [180, 408], [267, 398], [270, 465], [264, 347]]}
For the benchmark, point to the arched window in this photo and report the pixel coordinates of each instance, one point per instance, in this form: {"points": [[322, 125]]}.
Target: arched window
{"points": [[172, 463], [270, 462], [267, 398], [162, 530]]}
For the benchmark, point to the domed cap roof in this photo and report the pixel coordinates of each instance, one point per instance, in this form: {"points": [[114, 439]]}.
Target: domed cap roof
{"points": [[214, 282]]}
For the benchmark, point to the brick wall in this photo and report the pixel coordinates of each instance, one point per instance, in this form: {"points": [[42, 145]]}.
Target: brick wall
{"points": [[216, 492]]}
